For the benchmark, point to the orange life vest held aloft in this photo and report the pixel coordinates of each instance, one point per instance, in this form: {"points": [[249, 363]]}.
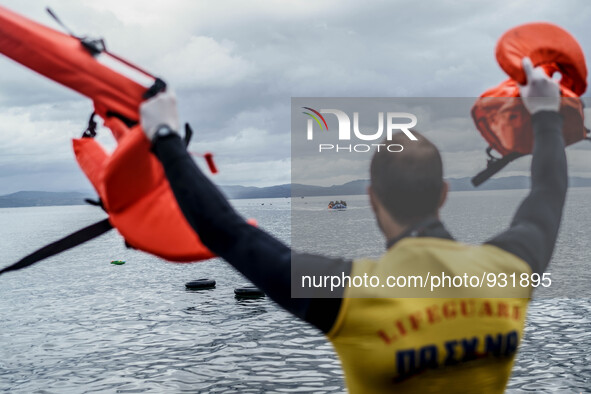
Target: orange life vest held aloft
{"points": [[130, 182], [499, 114]]}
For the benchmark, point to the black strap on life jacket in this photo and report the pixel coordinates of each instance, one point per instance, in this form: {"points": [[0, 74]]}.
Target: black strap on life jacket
{"points": [[188, 134], [90, 131], [68, 242], [493, 165]]}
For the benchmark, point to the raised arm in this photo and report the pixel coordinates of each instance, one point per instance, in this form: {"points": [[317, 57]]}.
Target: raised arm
{"points": [[534, 228], [263, 259]]}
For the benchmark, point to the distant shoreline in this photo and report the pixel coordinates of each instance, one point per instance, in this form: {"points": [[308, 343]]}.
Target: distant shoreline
{"points": [[24, 199]]}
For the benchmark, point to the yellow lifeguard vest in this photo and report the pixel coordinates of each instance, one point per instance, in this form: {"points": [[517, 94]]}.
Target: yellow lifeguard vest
{"points": [[458, 339]]}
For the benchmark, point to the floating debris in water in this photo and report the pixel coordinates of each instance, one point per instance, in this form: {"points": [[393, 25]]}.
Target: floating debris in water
{"points": [[200, 284], [248, 292]]}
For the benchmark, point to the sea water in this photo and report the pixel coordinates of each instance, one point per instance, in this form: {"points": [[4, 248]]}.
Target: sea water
{"points": [[76, 323]]}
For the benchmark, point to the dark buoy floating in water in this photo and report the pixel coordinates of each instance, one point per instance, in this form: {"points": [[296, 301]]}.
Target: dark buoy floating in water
{"points": [[248, 292], [118, 262], [200, 284]]}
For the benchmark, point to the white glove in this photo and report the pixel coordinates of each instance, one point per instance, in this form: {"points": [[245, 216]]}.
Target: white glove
{"points": [[540, 93], [159, 111]]}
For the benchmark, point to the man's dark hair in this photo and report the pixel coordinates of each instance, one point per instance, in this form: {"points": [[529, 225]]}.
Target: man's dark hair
{"points": [[408, 183]]}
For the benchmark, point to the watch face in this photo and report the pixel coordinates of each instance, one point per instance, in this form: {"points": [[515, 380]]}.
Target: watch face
{"points": [[163, 130]]}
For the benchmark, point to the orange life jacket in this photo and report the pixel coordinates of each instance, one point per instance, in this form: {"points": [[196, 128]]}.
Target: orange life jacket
{"points": [[130, 181], [499, 114]]}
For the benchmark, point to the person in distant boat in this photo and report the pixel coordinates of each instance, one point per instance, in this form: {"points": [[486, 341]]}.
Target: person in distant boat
{"points": [[331, 204], [462, 343]]}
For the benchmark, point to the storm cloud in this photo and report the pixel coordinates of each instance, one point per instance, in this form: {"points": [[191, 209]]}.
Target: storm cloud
{"points": [[236, 64]]}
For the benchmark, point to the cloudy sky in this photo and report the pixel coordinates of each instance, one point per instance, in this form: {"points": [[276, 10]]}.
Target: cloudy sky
{"points": [[236, 64]]}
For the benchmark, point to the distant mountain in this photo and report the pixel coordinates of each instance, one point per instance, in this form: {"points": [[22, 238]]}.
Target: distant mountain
{"points": [[238, 192], [295, 190], [348, 189], [37, 199], [360, 187], [507, 183]]}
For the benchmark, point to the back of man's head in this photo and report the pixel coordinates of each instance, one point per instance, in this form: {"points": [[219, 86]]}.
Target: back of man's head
{"points": [[408, 183]]}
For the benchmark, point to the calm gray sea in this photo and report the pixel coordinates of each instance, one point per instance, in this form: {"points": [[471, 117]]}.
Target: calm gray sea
{"points": [[76, 323]]}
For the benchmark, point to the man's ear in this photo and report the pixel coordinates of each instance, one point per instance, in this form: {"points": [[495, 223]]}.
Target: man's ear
{"points": [[444, 191]]}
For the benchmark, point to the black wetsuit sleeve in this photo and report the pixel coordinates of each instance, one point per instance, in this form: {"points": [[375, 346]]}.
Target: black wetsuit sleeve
{"points": [[534, 229], [263, 259]]}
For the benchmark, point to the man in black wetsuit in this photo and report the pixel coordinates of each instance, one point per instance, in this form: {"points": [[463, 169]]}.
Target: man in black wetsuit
{"points": [[403, 344]]}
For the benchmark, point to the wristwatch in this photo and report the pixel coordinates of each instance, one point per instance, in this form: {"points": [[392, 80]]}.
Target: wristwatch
{"points": [[163, 130]]}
